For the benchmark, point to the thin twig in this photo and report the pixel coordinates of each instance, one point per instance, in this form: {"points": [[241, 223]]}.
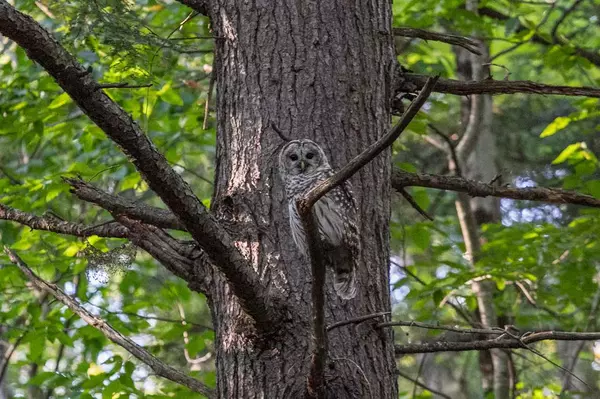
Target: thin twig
{"points": [[535, 31], [419, 371], [461, 312], [451, 150], [563, 17], [157, 318], [196, 38], [8, 355], [158, 366], [281, 135], [360, 370], [414, 204], [464, 42], [211, 85], [123, 85], [9, 176], [191, 171], [357, 320], [420, 384], [591, 317], [538, 353], [427, 326]]}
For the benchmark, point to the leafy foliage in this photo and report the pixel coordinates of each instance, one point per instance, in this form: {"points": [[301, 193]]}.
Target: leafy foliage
{"points": [[551, 254]]}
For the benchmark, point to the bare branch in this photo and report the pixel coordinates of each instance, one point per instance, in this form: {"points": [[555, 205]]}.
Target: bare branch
{"points": [[123, 85], [258, 302], [119, 205], [453, 162], [316, 383], [474, 188], [157, 318], [357, 320], [59, 226], [506, 343], [490, 86], [417, 324], [115, 336], [464, 42]]}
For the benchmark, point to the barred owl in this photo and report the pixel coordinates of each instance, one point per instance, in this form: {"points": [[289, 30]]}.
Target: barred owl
{"points": [[302, 165]]}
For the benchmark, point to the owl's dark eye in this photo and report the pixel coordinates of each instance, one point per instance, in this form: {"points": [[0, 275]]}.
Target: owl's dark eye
{"points": [[310, 155], [294, 157]]}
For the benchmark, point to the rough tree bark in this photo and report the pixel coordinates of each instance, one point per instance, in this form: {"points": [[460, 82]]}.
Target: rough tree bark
{"points": [[307, 67]]}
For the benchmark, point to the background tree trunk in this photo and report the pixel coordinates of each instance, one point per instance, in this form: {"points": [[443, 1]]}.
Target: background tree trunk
{"points": [[477, 156], [307, 67]]}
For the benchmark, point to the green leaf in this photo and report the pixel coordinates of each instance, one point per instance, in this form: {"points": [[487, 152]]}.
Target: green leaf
{"points": [[406, 166], [421, 237], [36, 346], [41, 378], [556, 125], [510, 26], [94, 381], [438, 297], [169, 95], [594, 188], [501, 284], [59, 101], [566, 153]]}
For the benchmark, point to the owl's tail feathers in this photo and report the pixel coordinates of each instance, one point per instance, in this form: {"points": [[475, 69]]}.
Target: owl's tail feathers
{"points": [[344, 284]]}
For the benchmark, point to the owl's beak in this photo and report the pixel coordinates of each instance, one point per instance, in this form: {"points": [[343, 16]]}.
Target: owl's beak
{"points": [[302, 166]]}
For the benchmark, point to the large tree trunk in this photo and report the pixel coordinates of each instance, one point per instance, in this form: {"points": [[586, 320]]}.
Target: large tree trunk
{"points": [[309, 68]]}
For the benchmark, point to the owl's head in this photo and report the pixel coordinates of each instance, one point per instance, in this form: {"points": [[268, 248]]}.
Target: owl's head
{"points": [[301, 157]]}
